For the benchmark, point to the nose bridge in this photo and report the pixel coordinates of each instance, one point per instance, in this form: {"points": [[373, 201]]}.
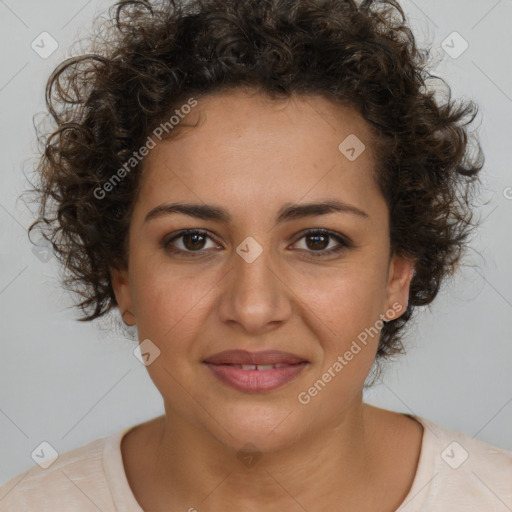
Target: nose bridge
{"points": [[253, 267], [254, 295]]}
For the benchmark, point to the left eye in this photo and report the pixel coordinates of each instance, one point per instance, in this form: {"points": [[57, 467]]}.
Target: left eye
{"points": [[318, 240], [192, 242]]}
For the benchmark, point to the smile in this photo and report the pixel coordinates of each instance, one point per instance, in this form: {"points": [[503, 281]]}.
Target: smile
{"points": [[254, 377]]}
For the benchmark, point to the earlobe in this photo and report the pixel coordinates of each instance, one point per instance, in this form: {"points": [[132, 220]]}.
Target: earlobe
{"points": [[401, 272], [121, 286]]}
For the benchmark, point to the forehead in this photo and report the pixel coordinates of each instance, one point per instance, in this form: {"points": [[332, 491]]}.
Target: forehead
{"points": [[249, 148]]}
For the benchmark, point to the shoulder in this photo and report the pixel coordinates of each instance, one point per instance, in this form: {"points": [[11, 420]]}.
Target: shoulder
{"points": [[76, 481], [458, 472]]}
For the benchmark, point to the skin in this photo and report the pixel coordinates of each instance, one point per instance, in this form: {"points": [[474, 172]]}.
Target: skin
{"points": [[251, 155]]}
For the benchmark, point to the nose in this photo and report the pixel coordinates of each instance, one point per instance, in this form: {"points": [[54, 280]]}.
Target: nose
{"points": [[254, 295]]}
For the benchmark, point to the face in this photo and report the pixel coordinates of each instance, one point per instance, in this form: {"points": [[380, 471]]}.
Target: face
{"points": [[263, 272]]}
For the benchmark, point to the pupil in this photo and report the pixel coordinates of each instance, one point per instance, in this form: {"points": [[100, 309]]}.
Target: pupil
{"points": [[194, 236], [317, 237]]}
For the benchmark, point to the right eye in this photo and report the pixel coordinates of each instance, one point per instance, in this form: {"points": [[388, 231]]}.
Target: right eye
{"points": [[191, 241]]}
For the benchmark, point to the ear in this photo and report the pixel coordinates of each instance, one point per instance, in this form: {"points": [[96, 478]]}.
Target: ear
{"points": [[121, 285], [400, 273]]}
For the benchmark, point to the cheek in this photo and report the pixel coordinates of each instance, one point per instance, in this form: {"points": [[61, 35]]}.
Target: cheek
{"points": [[167, 302], [346, 299], [343, 314]]}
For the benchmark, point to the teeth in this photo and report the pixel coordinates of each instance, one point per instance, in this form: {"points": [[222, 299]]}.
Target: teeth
{"points": [[261, 366]]}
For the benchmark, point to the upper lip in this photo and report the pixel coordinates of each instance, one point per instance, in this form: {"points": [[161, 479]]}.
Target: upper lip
{"points": [[260, 358]]}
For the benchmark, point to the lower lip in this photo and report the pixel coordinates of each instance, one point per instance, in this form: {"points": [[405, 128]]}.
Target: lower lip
{"points": [[256, 380]]}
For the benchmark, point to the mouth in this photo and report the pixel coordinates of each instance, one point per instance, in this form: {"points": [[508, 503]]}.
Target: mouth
{"points": [[255, 371]]}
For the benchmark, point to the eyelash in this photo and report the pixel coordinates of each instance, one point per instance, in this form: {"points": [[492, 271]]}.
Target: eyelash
{"points": [[343, 241]]}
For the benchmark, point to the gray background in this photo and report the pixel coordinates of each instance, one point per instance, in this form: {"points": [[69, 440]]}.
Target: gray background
{"points": [[68, 383]]}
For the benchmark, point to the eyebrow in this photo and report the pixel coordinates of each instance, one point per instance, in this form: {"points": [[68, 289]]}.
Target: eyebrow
{"points": [[287, 213]]}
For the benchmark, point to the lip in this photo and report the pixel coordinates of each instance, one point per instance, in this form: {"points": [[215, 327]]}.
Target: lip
{"points": [[255, 380], [227, 367], [245, 357]]}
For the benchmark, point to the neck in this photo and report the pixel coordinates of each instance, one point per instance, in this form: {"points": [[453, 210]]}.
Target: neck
{"points": [[192, 469]]}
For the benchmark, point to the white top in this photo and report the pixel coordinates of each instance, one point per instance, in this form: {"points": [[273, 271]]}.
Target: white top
{"points": [[456, 473]]}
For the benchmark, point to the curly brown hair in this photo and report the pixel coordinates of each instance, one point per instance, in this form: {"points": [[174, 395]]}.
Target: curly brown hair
{"points": [[149, 58]]}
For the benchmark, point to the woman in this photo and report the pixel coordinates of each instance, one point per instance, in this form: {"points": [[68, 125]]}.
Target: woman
{"points": [[266, 191]]}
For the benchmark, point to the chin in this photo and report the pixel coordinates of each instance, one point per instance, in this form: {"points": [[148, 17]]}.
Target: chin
{"points": [[265, 427]]}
